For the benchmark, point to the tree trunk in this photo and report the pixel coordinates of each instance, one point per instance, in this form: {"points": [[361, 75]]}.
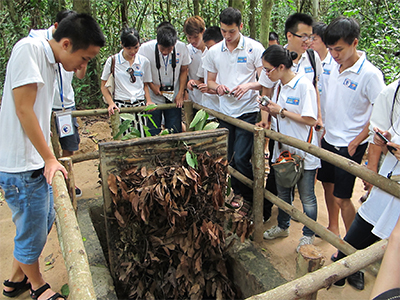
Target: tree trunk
{"points": [[252, 18], [265, 21], [124, 13], [238, 4], [15, 19], [196, 7], [82, 6], [315, 6]]}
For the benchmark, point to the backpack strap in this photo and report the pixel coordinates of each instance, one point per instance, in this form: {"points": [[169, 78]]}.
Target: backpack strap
{"points": [[310, 135], [311, 56], [113, 65]]}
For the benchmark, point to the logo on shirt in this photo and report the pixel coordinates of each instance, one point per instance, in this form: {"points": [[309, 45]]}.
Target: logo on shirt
{"points": [[327, 72], [137, 67], [308, 70], [177, 61], [350, 84], [293, 101], [242, 59], [138, 73], [250, 50]]}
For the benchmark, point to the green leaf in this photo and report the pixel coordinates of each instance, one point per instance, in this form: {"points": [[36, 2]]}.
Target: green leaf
{"points": [[65, 290], [198, 118], [211, 125], [191, 159], [122, 128], [149, 107], [164, 132], [84, 239], [125, 116]]}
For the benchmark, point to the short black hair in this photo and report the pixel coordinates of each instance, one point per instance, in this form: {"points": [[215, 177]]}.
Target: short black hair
{"points": [[231, 16], [291, 24], [273, 36], [276, 55], [344, 28], [129, 37], [319, 29], [213, 33], [166, 35], [63, 14], [82, 30]]}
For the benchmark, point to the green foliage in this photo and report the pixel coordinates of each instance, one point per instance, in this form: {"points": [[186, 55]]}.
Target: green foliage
{"points": [[129, 119], [65, 290], [199, 121]]}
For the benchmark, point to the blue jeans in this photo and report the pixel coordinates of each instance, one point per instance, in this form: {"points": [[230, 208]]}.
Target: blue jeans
{"points": [[307, 196], [240, 149], [173, 120], [31, 203]]}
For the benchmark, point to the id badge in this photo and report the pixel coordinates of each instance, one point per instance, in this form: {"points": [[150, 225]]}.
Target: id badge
{"points": [[64, 123]]}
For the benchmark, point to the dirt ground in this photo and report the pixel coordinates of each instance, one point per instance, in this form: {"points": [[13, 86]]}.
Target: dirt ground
{"points": [[281, 252]]}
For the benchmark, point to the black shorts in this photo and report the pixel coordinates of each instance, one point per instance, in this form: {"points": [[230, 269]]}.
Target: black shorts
{"points": [[71, 142], [343, 181]]}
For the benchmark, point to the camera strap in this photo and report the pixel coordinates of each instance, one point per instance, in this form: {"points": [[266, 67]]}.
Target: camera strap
{"points": [[158, 63]]}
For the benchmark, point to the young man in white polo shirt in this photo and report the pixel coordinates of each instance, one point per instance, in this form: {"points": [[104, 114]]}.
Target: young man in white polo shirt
{"points": [[169, 60], [353, 87], [232, 66], [194, 28], [27, 164]]}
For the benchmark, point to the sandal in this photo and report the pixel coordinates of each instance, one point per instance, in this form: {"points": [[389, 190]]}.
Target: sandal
{"points": [[36, 294], [237, 202], [19, 287], [245, 209]]}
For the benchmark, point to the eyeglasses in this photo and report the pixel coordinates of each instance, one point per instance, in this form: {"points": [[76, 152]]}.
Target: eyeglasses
{"points": [[132, 74], [268, 71], [303, 37]]}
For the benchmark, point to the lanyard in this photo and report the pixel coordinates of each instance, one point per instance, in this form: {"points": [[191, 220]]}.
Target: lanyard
{"points": [[165, 63], [60, 87]]}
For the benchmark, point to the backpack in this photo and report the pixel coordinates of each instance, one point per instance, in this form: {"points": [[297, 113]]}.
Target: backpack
{"points": [[311, 56]]}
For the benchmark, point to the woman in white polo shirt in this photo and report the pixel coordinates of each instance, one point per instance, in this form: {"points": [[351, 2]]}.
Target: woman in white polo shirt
{"points": [[131, 76], [294, 107]]}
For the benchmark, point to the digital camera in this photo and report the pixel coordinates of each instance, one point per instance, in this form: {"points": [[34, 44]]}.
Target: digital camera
{"points": [[166, 88]]}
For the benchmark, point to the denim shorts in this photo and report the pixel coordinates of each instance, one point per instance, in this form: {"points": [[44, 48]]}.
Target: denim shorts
{"points": [[31, 203]]}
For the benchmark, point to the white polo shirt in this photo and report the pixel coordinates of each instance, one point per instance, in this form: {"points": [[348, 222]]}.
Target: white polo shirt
{"points": [[195, 55], [381, 209], [297, 96], [349, 100], [208, 100], [327, 65], [125, 90], [384, 115], [235, 68], [68, 91], [31, 61], [182, 59], [302, 67]]}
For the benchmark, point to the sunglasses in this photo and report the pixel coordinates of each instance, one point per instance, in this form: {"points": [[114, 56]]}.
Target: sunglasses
{"points": [[131, 73]]}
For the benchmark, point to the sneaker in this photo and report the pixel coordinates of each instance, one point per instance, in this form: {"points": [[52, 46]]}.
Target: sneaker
{"points": [[305, 240], [78, 192], [356, 280], [275, 232], [340, 283]]}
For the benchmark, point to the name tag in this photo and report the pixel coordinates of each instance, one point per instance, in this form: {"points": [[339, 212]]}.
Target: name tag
{"points": [[293, 101], [138, 73], [242, 59], [308, 70], [327, 72], [350, 84], [177, 61]]}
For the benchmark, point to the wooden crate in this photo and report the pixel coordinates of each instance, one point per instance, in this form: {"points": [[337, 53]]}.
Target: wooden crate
{"points": [[150, 151]]}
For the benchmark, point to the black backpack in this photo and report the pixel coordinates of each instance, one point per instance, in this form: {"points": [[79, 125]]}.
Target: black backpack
{"points": [[311, 56]]}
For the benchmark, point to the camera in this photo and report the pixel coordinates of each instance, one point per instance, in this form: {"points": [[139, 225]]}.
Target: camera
{"points": [[166, 88], [265, 101]]}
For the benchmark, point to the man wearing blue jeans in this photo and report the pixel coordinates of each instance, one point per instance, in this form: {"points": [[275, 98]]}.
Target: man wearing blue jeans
{"points": [[27, 164]]}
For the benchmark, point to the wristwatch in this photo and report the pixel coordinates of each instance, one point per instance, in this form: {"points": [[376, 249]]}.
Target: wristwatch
{"points": [[281, 112]]}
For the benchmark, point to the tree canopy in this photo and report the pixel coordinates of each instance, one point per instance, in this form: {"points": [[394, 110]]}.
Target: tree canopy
{"points": [[378, 19]]}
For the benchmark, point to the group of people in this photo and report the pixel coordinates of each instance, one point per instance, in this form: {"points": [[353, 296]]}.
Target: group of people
{"points": [[322, 90]]}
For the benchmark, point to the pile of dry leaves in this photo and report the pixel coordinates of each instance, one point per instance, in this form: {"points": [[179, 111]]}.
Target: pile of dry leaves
{"points": [[172, 241]]}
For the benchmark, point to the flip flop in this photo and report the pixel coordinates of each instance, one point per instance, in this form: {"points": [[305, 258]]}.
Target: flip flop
{"points": [[237, 202], [19, 287]]}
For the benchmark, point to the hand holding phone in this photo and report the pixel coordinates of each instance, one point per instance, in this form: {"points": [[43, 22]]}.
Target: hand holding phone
{"points": [[195, 86], [390, 148], [265, 101]]}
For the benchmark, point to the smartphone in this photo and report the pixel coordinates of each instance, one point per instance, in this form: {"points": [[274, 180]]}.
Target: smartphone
{"points": [[265, 101], [390, 148]]}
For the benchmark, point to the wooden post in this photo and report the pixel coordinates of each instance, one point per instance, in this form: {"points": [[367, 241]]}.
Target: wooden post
{"points": [[115, 122], [309, 259], [55, 137], [67, 163], [188, 108], [69, 235], [325, 276], [258, 161]]}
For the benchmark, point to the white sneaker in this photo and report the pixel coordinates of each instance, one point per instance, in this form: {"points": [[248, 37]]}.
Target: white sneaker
{"points": [[275, 232], [305, 240]]}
